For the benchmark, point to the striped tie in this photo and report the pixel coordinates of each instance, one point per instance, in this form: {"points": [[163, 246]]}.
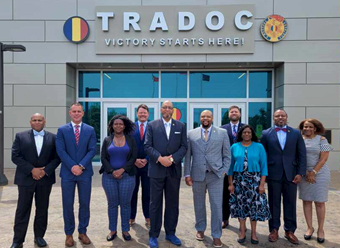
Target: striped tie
{"points": [[76, 133]]}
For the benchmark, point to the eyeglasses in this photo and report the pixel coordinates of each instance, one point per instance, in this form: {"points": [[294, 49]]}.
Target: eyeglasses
{"points": [[167, 107]]}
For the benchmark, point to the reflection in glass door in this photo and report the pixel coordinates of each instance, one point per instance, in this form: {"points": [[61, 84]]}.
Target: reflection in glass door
{"points": [[223, 112]]}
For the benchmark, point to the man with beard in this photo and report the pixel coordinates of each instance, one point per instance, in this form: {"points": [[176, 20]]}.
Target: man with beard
{"points": [[166, 145], [286, 158], [206, 163], [232, 128]]}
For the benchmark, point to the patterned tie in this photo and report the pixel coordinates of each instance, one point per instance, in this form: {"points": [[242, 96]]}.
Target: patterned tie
{"points": [[205, 134], [282, 129], [234, 133], [141, 131], [76, 133]]}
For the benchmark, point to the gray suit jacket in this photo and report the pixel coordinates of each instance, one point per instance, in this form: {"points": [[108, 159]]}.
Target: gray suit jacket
{"points": [[216, 154]]}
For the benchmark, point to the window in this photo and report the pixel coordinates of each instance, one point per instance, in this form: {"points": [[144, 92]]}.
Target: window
{"points": [[174, 84], [260, 84], [89, 84]]}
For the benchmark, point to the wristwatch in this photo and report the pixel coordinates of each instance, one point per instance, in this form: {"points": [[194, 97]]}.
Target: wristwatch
{"points": [[171, 160], [82, 167]]}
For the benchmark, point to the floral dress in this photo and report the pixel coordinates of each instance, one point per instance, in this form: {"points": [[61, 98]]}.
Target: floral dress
{"points": [[246, 200]]}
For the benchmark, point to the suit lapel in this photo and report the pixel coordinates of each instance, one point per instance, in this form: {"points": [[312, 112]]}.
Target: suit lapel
{"points": [[274, 136], [287, 137], [161, 125], [31, 135], [72, 135], [198, 136], [81, 135], [230, 132], [44, 143], [212, 137]]}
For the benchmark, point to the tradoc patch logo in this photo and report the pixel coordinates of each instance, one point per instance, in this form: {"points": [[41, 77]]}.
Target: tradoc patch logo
{"points": [[76, 29], [274, 28], [177, 114]]}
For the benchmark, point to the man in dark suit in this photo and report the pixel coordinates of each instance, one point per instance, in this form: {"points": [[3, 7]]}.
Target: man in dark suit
{"points": [[76, 146], [232, 128], [166, 145], [34, 154], [286, 158], [142, 167]]}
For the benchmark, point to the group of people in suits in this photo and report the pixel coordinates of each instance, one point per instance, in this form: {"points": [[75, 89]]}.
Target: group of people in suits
{"points": [[228, 162]]}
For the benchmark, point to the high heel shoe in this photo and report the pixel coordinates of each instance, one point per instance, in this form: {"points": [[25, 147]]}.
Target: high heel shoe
{"points": [[111, 237], [308, 237], [321, 240], [241, 241]]}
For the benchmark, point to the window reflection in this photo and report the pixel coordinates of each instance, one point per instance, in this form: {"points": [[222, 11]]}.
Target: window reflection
{"points": [[260, 116], [260, 84], [218, 84], [174, 85], [130, 84], [89, 84]]}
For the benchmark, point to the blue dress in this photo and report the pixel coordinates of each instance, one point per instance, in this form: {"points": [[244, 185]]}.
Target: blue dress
{"points": [[246, 200]]}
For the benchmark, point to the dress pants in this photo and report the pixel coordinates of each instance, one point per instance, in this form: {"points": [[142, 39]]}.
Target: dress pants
{"points": [[214, 185], [226, 198], [22, 215], [288, 190], [171, 186], [142, 176], [118, 193], [84, 196]]}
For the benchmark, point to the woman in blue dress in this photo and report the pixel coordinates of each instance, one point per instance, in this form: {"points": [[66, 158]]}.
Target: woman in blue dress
{"points": [[118, 156], [246, 177]]}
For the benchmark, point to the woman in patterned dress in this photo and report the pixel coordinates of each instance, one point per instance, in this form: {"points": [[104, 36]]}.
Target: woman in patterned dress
{"points": [[246, 177], [314, 187]]}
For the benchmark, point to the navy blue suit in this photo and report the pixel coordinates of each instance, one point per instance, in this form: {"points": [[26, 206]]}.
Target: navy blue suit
{"points": [[283, 166], [162, 178], [141, 176], [72, 154], [226, 194]]}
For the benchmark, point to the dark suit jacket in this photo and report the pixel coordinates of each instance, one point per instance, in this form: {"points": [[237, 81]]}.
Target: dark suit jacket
{"points": [[25, 156], [72, 154], [156, 144], [129, 167], [291, 160], [140, 146], [230, 132]]}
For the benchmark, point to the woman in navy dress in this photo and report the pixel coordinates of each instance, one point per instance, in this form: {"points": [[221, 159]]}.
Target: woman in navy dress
{"points": [[118, 156], [246, 177]]}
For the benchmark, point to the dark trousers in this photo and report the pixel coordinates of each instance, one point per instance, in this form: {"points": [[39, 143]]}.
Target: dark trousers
{"points": [[41, 195], [226, 197], [288, 190], [142, 176], [68, 188], [170, 185]]}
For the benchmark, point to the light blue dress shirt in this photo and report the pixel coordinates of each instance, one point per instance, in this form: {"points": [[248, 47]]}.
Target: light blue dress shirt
{"points": [[282, 136]]}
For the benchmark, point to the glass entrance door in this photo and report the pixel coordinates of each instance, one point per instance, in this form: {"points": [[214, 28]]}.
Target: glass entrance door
{"points": [[220, 113]]}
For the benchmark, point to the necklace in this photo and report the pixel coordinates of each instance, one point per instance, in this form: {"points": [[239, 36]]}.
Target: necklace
{"points": [[119, 142]]}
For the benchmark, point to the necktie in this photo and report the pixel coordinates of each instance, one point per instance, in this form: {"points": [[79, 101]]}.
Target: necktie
{"points": [[141, 131], [205, 134], [282, 129], [76, 133], [234, 133], [41, 133]]}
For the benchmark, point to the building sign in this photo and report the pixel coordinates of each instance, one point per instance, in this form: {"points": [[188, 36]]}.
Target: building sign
{"points": [[76, 29], [274, 28], [175, 29]]}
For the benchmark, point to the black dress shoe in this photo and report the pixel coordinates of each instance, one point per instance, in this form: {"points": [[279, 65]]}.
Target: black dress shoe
{"points": [[308, 237], [127, 237], [320, 240], [254, 241], [241, 241], [40, 242], [16, 245], [111, 237]]}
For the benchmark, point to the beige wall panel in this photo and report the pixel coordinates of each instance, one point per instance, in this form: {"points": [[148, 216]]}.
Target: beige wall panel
{"points": [[174, 58], [323, 73], [8, 137], [20, 116], [6, 10], [309, 95], [8, 95], [279, 96], [56, 116], [295, 115], [324, 29], [24, 74], [335, 139], [49, 95], [330, 117], [295, 73], [333, 160], [55, 74], [71, 76], [7, 159], [70, 95], [22, 31]]}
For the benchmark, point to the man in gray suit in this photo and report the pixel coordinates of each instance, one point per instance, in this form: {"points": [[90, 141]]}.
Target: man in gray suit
{"points": [[206, 162]]}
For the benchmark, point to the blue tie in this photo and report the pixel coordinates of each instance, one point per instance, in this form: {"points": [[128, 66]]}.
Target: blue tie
{"points": [[41, 133], [234, 133]]}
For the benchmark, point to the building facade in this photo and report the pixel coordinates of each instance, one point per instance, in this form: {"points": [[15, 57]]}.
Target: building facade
{"points": [[147, 51]]}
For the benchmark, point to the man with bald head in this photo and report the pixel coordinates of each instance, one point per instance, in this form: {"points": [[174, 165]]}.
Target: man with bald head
{"points": [[166, 145], [206, 163], [34, 154]]}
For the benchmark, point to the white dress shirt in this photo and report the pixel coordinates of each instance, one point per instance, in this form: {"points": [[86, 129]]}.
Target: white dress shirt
{"points": [[167, 126]]}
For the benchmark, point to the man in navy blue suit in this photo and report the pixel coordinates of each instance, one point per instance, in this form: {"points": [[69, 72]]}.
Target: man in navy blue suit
{"points": [[286, 158], [166, 145], [142, 167], [76, 146], [232, 128]]}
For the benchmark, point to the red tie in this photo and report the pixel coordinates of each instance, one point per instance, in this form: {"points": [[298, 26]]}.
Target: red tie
{"points": [[281, 129], [76, 133], [141, 131]]}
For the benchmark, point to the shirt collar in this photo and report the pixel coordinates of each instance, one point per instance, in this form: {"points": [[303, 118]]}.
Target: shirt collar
{"points": [[41, 133], [209, 129], [167, 122], [73, 124], [285, 126], [145, 123], [232, 124]]}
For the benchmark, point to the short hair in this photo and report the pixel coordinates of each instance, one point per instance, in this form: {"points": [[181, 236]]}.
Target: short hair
{"points": [[235, 107], [281, 110], [143, 106], [253, 134], [317, 124], [76, 104], [129, 125]]}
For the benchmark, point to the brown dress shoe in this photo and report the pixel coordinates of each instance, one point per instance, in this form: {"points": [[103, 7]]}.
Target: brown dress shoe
{"points": [[84, 239], [147, 223], [217, 242], [225, 223], [69, 242], [200, 236], [273, 236], [291, 238]]}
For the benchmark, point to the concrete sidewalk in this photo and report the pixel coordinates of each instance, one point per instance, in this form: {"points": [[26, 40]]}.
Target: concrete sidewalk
{"points": [[98, 228]]}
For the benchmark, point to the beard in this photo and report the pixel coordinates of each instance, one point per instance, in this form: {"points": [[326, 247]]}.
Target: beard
{"points": [[205, 126]]}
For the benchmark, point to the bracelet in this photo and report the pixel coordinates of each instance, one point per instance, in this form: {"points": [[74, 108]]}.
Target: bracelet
{"points": [[315, 172]]}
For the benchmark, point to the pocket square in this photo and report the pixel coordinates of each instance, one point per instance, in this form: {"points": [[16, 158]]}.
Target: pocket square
{"points": [[177, 132]]}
